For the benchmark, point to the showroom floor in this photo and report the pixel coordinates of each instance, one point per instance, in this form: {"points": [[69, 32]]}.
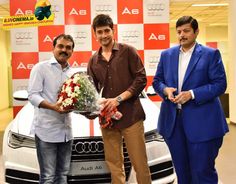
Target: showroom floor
{"points": [[225, 162]]}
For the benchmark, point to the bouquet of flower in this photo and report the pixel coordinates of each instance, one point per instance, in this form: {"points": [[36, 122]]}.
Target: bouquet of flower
{"points": [[79, 94]]}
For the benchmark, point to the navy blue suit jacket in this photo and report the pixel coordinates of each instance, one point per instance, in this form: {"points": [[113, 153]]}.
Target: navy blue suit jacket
{"points": [[203, 117]]}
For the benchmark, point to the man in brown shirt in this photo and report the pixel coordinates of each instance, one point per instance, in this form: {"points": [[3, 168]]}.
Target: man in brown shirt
{"points": [[118, 69]]}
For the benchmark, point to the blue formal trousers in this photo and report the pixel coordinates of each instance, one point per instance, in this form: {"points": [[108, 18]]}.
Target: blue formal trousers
{"points": [[194, 162]]}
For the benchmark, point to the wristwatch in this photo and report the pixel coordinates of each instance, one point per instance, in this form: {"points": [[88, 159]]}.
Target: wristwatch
{"points": [[119, 100]]}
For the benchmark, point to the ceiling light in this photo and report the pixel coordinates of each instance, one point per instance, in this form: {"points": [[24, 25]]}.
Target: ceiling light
{"points": [[215, 4], [218, 24]]}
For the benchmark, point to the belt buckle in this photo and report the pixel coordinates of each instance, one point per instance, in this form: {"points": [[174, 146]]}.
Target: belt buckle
{"points": [[178, 111]]}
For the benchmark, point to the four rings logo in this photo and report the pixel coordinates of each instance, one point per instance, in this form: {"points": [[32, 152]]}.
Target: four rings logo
{"points": [[25, 87], [130, 34], [89, 147], [23, 35], [79, 35], [156, 7], [154, 59], [103, 8]]}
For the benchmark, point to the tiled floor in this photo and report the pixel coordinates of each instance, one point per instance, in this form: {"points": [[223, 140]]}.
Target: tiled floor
{"points": [[225, 162]]}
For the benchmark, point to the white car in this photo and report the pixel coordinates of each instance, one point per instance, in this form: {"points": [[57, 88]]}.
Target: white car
{"points": [[87, 160]]}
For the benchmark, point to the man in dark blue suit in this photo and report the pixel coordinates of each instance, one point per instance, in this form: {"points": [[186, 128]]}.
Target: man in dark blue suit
{"points": [[190, 78]]}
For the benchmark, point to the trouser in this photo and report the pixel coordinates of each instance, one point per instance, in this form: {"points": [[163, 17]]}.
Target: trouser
{"points": [[135, 144], [194, 162], [54, 161]]}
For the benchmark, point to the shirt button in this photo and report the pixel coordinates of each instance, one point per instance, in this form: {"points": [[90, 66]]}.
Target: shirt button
{"points": [[109, 77], [111, 89], [108, 66]]}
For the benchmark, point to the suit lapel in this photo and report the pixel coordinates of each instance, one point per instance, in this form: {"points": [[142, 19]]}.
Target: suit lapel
{"points": [[193, 61], [175, 65]]}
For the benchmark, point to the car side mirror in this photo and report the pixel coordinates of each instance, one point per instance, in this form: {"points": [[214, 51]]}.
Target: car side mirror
{"points": [[21, 95], [150, 91]]}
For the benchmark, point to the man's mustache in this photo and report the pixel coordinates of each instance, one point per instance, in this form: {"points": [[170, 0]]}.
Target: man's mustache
{"points": [[64, 53], [183, 39]]}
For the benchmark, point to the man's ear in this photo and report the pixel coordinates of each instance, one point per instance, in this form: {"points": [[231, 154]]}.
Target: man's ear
{"points": [[94, 35], [197, 31]]}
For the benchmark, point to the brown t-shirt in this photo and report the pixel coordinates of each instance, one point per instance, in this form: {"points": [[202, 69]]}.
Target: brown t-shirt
{"points": [[124, 71]]}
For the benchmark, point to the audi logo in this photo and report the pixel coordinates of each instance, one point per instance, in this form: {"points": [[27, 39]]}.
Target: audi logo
{"points": [[130, 34], [102, 8], [79, 35], [21, 88], [156, 7], [23, 35], [154, 59], [89, 147]]}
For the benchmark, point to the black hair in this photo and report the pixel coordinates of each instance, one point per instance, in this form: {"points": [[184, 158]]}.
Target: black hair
{"points": [[102, 20], [187, 20], [66, 37]]}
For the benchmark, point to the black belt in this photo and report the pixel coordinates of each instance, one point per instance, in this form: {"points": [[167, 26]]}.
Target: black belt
{"points": [[178, 111]]}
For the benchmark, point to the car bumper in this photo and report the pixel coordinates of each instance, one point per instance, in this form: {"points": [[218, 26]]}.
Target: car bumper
{"points": [[21, 166]]}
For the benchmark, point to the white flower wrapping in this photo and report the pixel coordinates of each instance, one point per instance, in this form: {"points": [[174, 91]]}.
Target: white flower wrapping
{"points": [[79, 94]]}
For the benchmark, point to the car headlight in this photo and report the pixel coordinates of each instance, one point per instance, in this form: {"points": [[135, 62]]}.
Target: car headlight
{"points": [[16, 140], [153, 136]]}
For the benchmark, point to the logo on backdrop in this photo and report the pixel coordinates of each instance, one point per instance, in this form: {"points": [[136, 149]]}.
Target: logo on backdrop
{"points": [[131, 34], [152, 58], [82, 36], [42, 9], [104, 7], [77, 12], [80, 58], [156, 36], [22, 63], [130, 11], [156, 11], [46, 37], [24, 39]]}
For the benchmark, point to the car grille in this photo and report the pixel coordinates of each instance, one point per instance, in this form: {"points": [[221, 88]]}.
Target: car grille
{"points": [[89, 150]]}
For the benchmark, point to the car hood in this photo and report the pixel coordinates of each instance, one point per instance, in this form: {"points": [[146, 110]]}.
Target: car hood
{"points": [[81, 126]]}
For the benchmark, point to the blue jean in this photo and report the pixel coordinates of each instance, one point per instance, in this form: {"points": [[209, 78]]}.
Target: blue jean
{"points": [[54, 161]]}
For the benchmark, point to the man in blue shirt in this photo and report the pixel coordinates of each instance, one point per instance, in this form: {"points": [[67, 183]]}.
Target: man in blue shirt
{"points": [[51, 124]]}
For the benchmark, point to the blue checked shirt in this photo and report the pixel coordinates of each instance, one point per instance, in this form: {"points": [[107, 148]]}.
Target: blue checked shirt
{"points": [[46, 79]]}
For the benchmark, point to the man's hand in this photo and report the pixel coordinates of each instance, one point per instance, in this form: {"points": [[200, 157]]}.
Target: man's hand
{"points": [[58, 108], [169, 92], [55, 107], [110, 104], [183, 97]]}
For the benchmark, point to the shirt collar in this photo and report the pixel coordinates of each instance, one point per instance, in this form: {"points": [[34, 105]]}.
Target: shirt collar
{"points": [[115, 47], [53, 61], [190, 50]]}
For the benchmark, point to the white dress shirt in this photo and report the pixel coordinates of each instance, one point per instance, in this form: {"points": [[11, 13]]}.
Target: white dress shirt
{"points": [[184, 59]]}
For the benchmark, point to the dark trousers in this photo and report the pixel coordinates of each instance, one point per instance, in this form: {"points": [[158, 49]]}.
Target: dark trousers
{"points": [[194, 162]]}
